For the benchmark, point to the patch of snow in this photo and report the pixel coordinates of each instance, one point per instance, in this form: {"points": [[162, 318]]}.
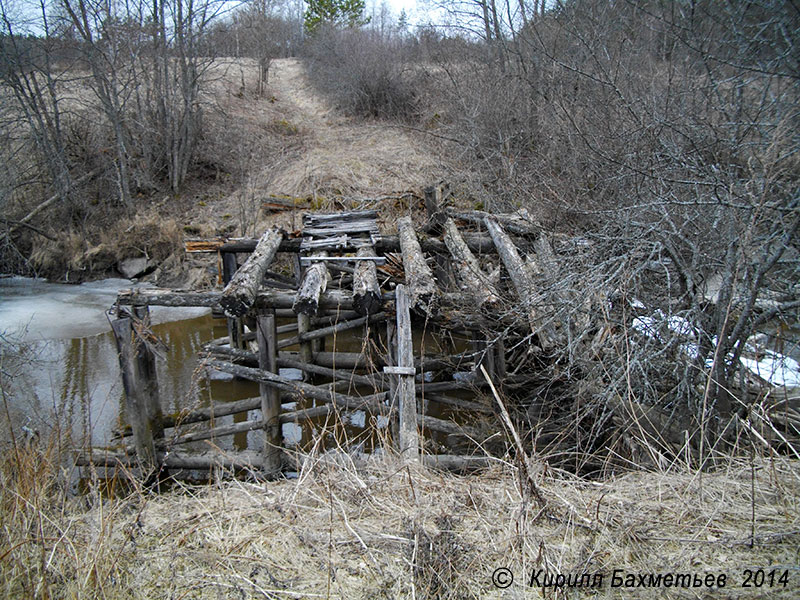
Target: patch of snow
{"points": [[775, 368], [381, 421]]}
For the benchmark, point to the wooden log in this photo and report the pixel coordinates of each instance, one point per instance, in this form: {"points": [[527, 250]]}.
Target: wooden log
{"points": [[341, 374], [139, 381], [456, 463], [473, 281], [366, 290], [267, 339], [240, 294], [201, 461], [459, 403], [267, 298], [519, 223], [522, 282], [419, 277], [331, 329], [434, 206], [314, 392], [407, 403], [386, 243], [314, 283], [449, 427], [251, 460]]}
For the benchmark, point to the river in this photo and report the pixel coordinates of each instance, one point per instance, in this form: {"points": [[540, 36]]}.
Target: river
{"points": [[59, 360]]}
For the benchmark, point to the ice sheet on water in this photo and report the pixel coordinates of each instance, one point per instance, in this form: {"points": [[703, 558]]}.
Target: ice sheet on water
{"points": [[34, 309]]}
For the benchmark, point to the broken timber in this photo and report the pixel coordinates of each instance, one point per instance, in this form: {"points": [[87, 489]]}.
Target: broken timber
{"points": [[240, 294], [419, 277], [347, 251]]}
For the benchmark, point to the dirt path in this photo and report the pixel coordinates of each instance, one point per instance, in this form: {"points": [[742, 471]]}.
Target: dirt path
{"points": [[343, 156]]}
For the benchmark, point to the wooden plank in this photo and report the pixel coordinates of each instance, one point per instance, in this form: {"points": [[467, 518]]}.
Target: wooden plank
{"points": [[240, 294], [267, 338], [366, 290], [419, 277], [139, 382], [315, 280], [407, 403], [473, 281], [522, 282]]}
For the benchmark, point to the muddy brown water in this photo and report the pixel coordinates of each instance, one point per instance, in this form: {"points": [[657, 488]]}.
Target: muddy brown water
{"points": [[59, 366]]}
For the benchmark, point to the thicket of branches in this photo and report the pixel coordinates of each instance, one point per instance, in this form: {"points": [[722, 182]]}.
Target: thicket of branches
{"points": [[661, 138], [665, 134], [107, 104]]}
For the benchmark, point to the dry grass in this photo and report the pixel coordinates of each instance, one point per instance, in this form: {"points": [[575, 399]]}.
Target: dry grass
{"points": [[374, 528]]}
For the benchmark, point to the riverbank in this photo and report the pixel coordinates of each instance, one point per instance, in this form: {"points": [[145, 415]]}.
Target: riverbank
{"points": [[350, 528]]}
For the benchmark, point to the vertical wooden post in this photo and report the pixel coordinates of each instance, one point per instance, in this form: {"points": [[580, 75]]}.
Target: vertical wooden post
{"points": [[409, 436], [147, 368], [267, 337], [142, 408], [303, 323], [235, 325], [391, 361]]}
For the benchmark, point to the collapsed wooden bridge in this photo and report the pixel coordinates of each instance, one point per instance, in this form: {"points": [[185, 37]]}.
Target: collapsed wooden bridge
{"points": [[347, 277]]}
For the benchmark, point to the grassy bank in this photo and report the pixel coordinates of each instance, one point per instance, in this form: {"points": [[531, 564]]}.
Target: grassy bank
{"points": [[348, 528]]}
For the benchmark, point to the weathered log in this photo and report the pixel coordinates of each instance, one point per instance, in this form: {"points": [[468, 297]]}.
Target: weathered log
{"points": [[459, 403], [406, 395], [314, 392], [137, 365], [240, 294], [314, 283], [267, 339], [201, 461], [267, 298], [331, 329], [448, 427], [366, 290], [341, 374], [474, 281], [419, 277], [434, 206], [249, 459], [519, 222], [386, 243], [520, 277], [459, 464]]}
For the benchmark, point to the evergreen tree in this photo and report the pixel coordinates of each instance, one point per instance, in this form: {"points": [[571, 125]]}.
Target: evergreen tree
{"points": [[347, 13]]}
